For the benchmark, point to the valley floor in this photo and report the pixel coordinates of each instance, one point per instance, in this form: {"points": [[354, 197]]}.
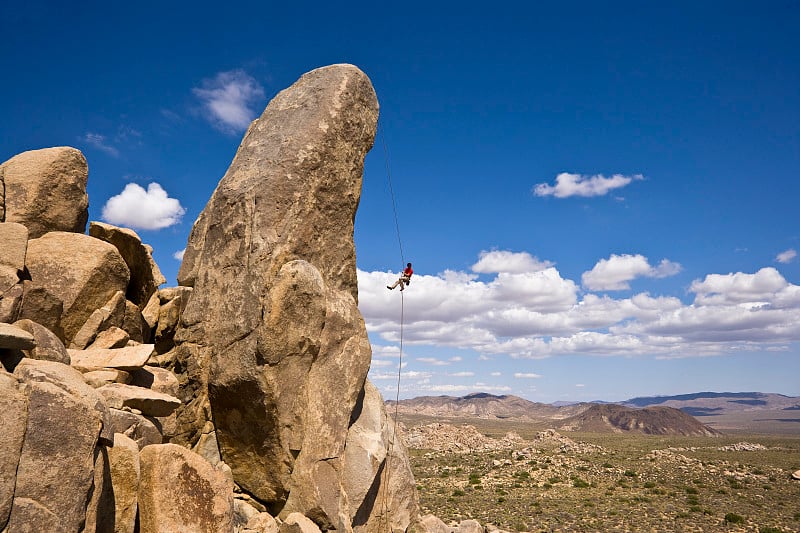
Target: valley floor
{"points": [[614, 482]]}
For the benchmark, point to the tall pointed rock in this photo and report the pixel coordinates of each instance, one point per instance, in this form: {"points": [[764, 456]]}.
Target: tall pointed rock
{"points": [[272, 333]]}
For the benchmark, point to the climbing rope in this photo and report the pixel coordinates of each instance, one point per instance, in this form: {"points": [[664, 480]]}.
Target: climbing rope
{"points": [[390, 450]]}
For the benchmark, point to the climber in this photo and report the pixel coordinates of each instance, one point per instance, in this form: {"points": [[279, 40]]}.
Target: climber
{"points": [[405, 278]]}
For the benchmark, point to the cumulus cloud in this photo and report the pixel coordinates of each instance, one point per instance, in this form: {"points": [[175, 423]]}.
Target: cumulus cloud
{"points": [[787, 256], [464, 374], [738, 288], [509, 262], [582, 185], [138, 208], [539, 314], [614, 273], [179, 254], [101, 143], [526, 375], [230, 100]]}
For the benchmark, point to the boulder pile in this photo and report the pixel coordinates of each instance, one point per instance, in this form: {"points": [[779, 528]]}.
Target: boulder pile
{"points": [[234, 402]]}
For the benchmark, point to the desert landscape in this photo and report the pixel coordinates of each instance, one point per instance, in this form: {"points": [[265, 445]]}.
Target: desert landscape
{"points": [[518, 473]]}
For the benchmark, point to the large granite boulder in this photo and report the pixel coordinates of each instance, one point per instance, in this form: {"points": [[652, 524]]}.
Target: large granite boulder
{"points": [[181, 491], [52, 488], [273, 318], [45, 190], [14, 420], [82, 272], [145, 274]]}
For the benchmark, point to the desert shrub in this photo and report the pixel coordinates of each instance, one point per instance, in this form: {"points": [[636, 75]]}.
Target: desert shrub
{"points": [[607, 465], [458, 492], [734, 484], [733, 518], [579, 483], [769, 529], [695, 509], [691, 490], [649, 485], [630, 473]]}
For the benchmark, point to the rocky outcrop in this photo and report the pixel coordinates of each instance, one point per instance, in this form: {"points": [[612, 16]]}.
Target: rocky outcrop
{"points": [[273, 320], [264, 352], [81, 272], [45, 190]]}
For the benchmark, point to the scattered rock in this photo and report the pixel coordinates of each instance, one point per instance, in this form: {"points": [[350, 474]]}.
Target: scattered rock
{"points": [[45, 190], [143, 430], [48, 346], [298, 523], [128, 358], [150, 403], [124, 468], [157, 379], [433, 524], [98, 378], [796, 475], [15, 338], [111, 338], [145, 274], [110, 315], [40, 305]]}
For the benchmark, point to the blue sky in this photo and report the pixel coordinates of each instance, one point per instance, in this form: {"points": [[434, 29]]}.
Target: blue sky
{"points": [[600, 201]]}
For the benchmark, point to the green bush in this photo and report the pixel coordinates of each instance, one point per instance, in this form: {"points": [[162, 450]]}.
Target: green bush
{"points": [[769, 529], [579, 483], [733, 518], [458, 492], [630, 473]]}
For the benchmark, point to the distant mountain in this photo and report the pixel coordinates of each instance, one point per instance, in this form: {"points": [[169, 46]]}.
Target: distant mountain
{"points": [[600, 418], [484, 405], [717, 403]]}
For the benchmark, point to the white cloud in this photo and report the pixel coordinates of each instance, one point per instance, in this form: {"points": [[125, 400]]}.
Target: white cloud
{"points": [[455, 359], [739, 288], [99, 141], [382, 363], [582, 185], [538, 315], [787, 256], [580, 385], [462, 374], [179, 254], [229, 100], [432, 361], [495, 374], [614, 273], [526, 375], [510, 262], [138, 208]]}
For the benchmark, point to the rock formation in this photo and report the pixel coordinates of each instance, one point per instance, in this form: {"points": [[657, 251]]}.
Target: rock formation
{"points": [[251, 399], [273, 324]]}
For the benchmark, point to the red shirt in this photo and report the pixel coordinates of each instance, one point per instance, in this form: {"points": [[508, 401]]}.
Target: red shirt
{"points": [[407, 272]]}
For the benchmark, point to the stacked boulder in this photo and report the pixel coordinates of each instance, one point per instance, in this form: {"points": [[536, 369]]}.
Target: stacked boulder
{"points": [[237, 401]]}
